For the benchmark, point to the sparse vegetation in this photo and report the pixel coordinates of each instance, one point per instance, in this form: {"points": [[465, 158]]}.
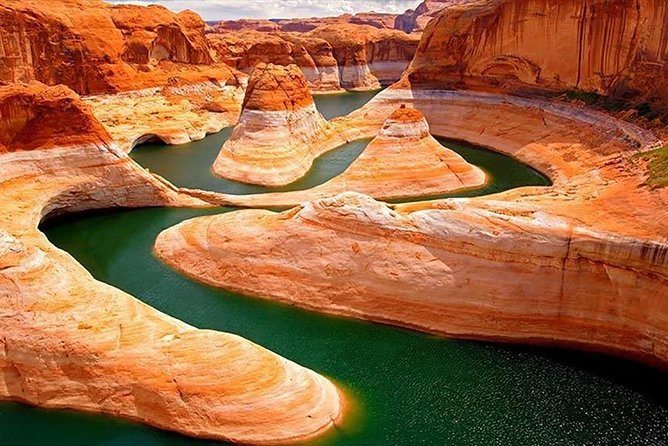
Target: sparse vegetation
{"points": [[657, 166]]}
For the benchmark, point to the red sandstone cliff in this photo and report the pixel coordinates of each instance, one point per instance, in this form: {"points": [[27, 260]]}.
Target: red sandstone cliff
{"points": [[416, 20], [610, 47], [24, 109], [94, 47]]}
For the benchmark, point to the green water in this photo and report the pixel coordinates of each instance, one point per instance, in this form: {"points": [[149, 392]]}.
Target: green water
{"points": [[189, 165], [409, 388]]}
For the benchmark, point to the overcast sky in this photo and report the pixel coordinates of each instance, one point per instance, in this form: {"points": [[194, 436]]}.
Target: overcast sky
{"points": [[266, 9]]}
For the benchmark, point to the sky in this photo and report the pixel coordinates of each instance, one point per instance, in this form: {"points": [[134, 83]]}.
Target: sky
{"points": [[267, 9]]}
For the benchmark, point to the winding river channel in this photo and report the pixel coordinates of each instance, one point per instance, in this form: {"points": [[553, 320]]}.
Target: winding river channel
{"points": [[407, 388]]}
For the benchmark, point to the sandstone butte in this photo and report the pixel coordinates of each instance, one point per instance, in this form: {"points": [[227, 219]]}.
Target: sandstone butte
{"points": [[582, 263], [333, 57], [69, 341], [403, 161], [274, 142], [97, 48]]}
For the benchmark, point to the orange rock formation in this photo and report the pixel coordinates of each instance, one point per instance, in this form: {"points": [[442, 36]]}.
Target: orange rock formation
{"points": [[368, 57], [611, 47], [273, 142], [354, 57], [579, 264], [69, 341], [416, 20], [94, 47], [403, 161]]}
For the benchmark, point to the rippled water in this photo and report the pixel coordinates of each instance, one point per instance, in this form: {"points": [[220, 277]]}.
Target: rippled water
{"points": [[408, 388]]}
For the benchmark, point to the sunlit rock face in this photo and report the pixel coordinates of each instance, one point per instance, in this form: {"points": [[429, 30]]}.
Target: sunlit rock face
{"points": [[346, 55], [94, 47], [402, 161], [272, 142], [368, 57], [71, 342], [416, 20], [611, 47]]}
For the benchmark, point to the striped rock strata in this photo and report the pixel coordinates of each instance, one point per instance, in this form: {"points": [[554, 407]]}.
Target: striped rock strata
{"points": [[403, 161], [581, 264], [69, 341], [273, 142], [177, 113]]}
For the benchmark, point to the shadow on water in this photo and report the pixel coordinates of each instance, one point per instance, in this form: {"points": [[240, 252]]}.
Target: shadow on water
{"points": [[410, 388]]}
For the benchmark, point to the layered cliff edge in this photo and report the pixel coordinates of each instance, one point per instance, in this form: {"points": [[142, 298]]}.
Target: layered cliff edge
{"points": [[332, 57], [69, 341], [613, 48], [95, 47]]}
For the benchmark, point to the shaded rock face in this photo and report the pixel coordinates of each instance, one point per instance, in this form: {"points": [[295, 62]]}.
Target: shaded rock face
{"points": [[33, 116], [246, 49], [614, 47], [245, 25], [93, 47], [368, 57]]}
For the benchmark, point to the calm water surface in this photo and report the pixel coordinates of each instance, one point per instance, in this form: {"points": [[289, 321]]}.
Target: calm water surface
{"points": [[408, 388]]}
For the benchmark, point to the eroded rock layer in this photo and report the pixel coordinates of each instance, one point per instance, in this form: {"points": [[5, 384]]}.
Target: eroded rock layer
{"points": [[69, 341], [403, 161], [332, 57], [274, 141], [611, 47], [582, 263], [95, 47]]}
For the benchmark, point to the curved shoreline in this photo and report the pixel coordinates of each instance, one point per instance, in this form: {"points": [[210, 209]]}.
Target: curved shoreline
{"points": [[565, 222]]}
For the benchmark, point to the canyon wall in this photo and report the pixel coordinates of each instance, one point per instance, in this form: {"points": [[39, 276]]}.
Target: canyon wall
{"points": [[68, 341], [609, 47], [332, 57], [94, 47]]}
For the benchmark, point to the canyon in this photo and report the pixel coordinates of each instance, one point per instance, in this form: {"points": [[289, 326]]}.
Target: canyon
{"points": [[576, 89]]}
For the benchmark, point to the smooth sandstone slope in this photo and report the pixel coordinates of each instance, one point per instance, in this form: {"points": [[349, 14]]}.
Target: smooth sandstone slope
{"points": [[580, 264], [402, 161], [69, 341], [279, 133], [615, 48]]}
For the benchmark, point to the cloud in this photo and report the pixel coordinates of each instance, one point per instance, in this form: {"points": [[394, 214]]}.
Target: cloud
{"points": [[266, 9]]}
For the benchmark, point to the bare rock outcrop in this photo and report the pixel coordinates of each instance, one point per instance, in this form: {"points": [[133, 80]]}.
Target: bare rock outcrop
{"points": [[70, 342], [95, 47], [402, 161], [272, 144], [614, 48], [416, 20], [579, 264]]}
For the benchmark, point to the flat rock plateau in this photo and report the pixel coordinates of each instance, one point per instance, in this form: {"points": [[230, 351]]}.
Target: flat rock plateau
{"points": [[582, 263]]}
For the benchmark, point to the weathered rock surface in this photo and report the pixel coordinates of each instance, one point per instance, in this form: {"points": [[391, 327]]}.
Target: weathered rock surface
{"points": [[368, 57], [403, 161], [94, 47], [581, 264], [177, 113], [416, 20], [332, 57], [274, 141], [69, 341], [314, 56], [375, 19], [611, 47]]}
